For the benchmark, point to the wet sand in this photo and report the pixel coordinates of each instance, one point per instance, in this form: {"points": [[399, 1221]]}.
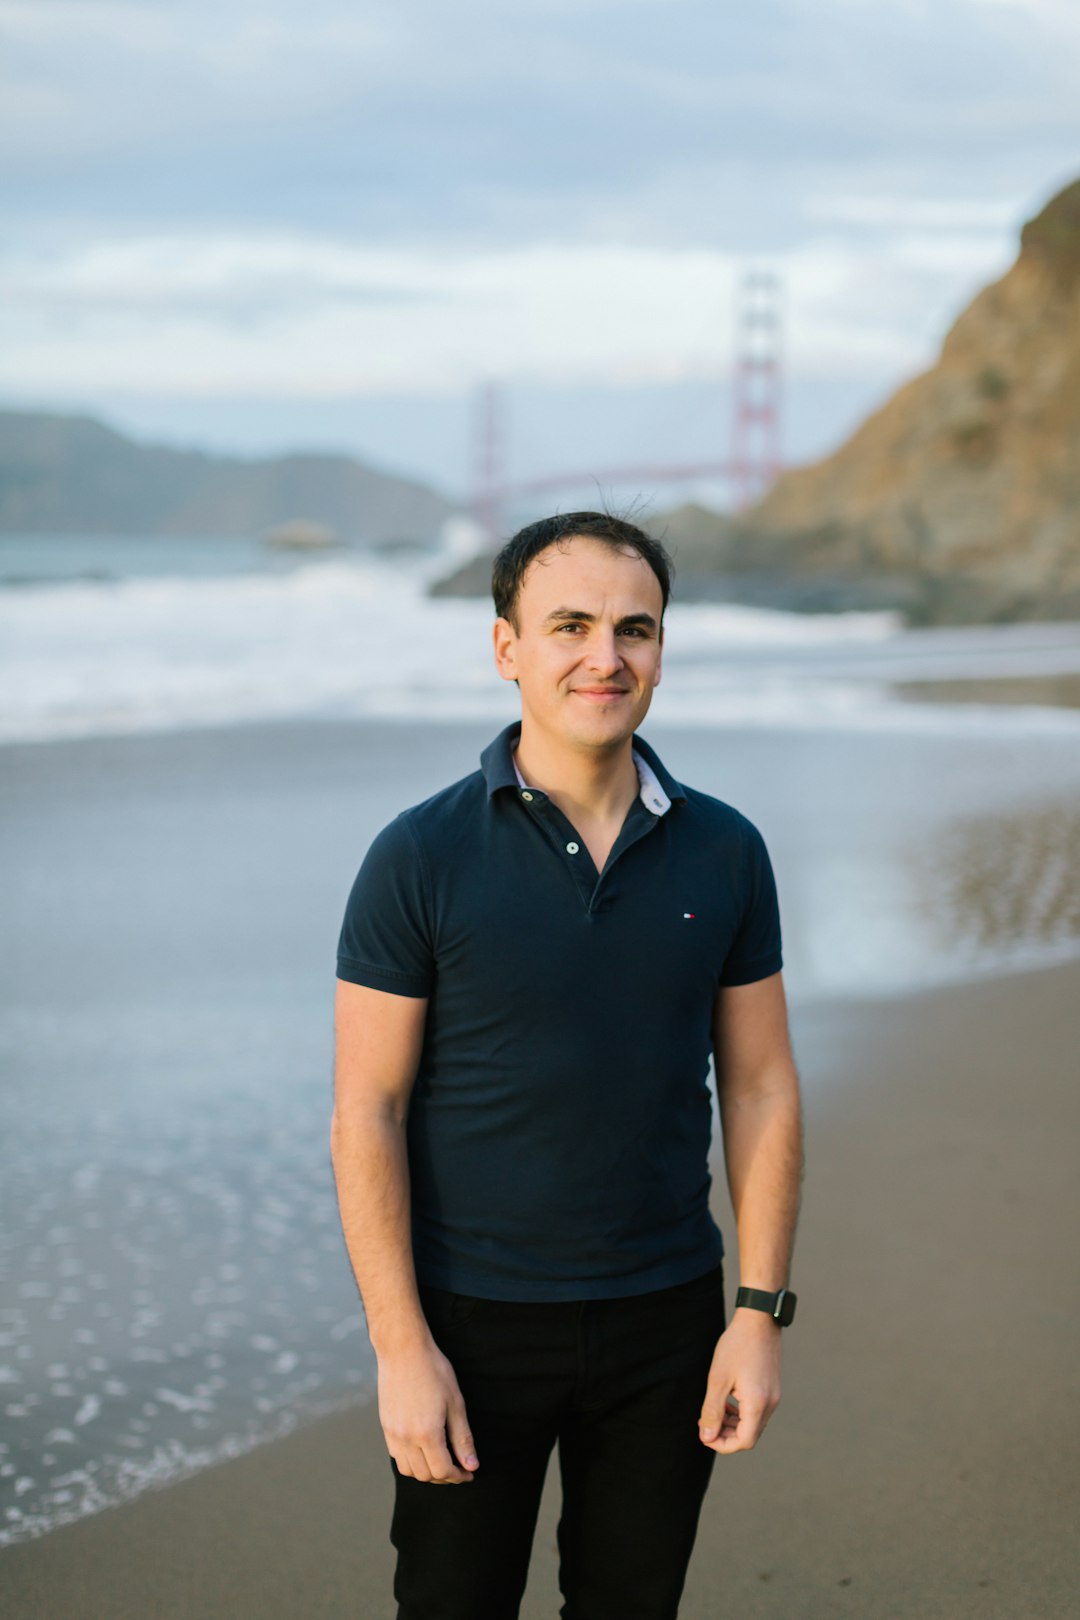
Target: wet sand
{"points": [[923, 1462], [1058, 691]]}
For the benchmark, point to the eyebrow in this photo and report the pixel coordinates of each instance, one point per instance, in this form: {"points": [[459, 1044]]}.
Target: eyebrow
{"points": [[560, 613]]}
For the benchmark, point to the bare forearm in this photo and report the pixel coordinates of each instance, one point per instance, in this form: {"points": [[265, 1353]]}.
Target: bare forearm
{"points": [[760, 1114], [371, 1169], [763, 1155], [379, 1041]]}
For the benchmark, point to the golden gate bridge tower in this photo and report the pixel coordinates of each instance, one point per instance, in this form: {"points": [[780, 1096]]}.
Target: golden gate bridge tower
{"points": [[756, 385], [754, 459]]}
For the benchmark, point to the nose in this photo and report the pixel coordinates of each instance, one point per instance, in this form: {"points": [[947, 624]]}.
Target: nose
{"points": [[603, 655]]}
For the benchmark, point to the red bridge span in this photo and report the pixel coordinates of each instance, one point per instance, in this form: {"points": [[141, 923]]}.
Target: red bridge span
{"points": [[753, 460]]}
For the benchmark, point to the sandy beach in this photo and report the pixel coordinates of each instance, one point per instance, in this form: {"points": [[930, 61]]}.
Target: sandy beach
{"points": [[923, 1461]]}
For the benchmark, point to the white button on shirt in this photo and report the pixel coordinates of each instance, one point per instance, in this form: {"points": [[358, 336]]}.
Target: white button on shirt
{"points": [[572, 849]]}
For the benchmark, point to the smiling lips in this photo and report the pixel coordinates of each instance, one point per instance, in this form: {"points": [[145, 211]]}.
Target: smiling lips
{"points": [[601, 691]]}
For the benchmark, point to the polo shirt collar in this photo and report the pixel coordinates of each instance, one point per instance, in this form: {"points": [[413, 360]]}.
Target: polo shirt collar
{"points": [[659, 789]]}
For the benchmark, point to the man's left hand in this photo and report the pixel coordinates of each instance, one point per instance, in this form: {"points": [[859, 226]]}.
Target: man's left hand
{"points": [[743, 1390]]}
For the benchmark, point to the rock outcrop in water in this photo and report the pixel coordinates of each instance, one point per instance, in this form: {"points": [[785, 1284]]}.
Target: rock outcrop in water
{"points": [[959, 500]]}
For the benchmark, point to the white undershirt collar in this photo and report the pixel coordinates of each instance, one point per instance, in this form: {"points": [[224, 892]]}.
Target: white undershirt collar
{"points": [[651, 794]]}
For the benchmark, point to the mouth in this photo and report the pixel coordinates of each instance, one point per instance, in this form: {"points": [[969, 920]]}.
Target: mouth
{"points": [[601, 694]]}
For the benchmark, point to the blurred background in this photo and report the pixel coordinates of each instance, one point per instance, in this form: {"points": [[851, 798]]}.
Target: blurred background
{"points": [[302, 309]]}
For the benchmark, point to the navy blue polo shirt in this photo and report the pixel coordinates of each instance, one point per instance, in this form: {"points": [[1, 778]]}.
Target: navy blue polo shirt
{"points": [[559, 1125]]}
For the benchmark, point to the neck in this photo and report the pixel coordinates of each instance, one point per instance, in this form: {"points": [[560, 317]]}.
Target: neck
{"points": [[593, 785]]}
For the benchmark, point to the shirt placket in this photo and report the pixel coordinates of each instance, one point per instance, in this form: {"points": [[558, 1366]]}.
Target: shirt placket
{"points": [[592, 886]]}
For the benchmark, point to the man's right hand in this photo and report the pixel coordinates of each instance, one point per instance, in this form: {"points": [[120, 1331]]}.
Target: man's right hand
{"points": [[423, 1417]]}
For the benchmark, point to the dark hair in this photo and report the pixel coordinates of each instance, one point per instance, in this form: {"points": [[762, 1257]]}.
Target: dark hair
{"points": [[512, 562]]}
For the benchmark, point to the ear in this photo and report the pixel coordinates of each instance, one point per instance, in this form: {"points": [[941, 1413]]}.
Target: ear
{"points": [[659, 656], [505, 643]]}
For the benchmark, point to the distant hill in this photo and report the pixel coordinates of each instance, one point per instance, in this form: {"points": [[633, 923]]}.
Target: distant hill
{"points": [[74, 475], [958, 500]]}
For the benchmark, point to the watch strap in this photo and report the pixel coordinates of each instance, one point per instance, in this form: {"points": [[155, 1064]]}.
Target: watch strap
{"points": [[780, 1306]]}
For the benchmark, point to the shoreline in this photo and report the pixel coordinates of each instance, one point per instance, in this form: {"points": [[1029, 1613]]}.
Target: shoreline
{"points": [[975, 708], [920, 1462]]}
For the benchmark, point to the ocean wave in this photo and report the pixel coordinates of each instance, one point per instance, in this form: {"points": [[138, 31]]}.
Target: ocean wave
{"points": [[354, 638]]}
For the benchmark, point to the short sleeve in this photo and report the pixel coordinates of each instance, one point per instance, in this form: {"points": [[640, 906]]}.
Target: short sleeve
{"points": [[755, 952], [386, 937]]}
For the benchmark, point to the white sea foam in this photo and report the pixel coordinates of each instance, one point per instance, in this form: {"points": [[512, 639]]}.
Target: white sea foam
{"points": [[166, 1464], [184, 1403], [354, 638]]}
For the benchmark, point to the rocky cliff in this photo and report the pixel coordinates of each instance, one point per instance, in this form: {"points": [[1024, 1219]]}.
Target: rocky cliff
{"points": [[957, 501]]}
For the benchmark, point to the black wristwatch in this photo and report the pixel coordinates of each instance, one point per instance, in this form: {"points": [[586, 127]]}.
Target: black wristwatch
{"points": [[780, 1306]]}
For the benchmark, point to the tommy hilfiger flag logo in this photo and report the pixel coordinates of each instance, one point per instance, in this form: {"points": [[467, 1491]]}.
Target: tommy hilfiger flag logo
{"points": [[689, 914]]}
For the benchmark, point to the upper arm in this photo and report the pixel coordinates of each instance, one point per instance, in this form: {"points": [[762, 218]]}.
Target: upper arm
{"points": [[378, 1040], [754, 953], [387, 934], [751, 1040], [385, 974], [751, 1044]]}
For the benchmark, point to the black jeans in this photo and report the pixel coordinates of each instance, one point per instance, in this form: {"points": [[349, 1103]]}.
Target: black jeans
{"points": [[618, 1384]]}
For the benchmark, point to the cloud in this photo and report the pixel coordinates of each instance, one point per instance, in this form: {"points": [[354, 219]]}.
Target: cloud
{"points": [[918, 213], [251, 280], [229, 315], [316, 199], [480, 122]]}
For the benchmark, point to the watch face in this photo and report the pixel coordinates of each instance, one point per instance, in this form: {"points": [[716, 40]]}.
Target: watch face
{"points": [[786, 1311]]}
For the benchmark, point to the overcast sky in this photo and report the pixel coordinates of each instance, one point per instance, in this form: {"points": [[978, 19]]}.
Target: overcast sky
{"points": [[325, 220]]}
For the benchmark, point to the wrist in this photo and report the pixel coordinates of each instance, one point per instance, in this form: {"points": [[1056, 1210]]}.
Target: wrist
{"points": [[758, 1321], [777, 1306], [410, 1337]]}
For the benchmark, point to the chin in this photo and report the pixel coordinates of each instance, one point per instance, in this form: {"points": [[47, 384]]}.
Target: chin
{"points": [[609, 727]]}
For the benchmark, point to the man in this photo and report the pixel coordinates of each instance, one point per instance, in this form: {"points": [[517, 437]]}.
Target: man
{"points": [[534, 967]]}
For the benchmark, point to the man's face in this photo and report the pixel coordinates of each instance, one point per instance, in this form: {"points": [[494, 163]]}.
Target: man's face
{"points": [[587, 653]]}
